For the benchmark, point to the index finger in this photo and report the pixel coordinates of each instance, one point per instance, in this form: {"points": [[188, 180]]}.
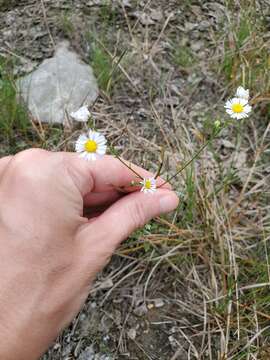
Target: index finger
{"points": [[109, 173], [4, 163]]}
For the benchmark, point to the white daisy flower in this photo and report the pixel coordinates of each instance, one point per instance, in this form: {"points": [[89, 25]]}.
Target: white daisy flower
{"points": [[91, 146], [242, 93], [237, 108], [149, 185], [82, 114]]}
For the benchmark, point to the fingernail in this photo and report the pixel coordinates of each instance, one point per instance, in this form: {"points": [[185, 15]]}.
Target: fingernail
{"points": [[168, 202]]}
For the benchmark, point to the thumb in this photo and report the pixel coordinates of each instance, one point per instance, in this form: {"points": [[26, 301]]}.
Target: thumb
{"points": [[126, 215]]}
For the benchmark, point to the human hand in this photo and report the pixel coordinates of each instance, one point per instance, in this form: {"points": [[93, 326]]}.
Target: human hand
{"points": [[50, 252]]}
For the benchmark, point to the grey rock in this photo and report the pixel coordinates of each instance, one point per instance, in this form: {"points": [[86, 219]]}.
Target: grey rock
{"points": [[7, 34], [140, 310], [171, 101], [132, 333], [106, 324], [227, 144], [103, 357], [117, 316], [203, 25], [144, 18], [173, 342], [106, 284], [90, 354], [190, 26], [67, 350], [137, 295], [159, 303], [95, 3], [197, 45], [126, 3], [87, 354], [59, 86], [156, 15]]}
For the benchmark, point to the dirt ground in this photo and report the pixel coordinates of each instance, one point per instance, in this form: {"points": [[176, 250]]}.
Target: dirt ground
{"points": [[194, 285]]}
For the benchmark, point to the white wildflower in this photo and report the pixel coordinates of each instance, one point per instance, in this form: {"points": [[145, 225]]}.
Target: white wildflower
{"points": [[81, 115], [91, 146], [237, 108], [148, 185], [242, 93]]}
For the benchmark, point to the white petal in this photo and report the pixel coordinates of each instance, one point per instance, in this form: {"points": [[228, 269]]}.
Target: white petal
{"points": [[81, 115], [229, 111], [95, 136], [91, 156], [81, 142], [242, 93], [101, 152], [100, 139], [83, 155], [103, 144], [104, 147], [228, 104], [235, 101], [83, 138], [90, 134], [79, 147], [240, 116], [248, 108], [239, 101], [243, 102]]}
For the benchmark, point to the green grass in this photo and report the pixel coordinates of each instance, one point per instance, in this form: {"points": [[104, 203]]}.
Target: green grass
{"points": [[189, 213], [7, 4], [202, 223], [102, 54], [16, 130], [102, 66], [246, 56], [240, 32], [108, 13], [183, 56], [66, 25], [13, 115]]}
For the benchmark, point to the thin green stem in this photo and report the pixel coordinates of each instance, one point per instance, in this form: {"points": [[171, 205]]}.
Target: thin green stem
{"points": [[192, 159], [129, 167], [117, 63], [124, 163], [161, 163]]}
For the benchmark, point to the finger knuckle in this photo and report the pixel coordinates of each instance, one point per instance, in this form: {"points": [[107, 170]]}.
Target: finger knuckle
{"points": [[27, 162], [27, 156]]}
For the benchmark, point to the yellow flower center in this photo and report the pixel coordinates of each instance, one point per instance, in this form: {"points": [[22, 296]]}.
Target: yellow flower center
{"points": [[148, 184], [90, 146], [237, 108]]}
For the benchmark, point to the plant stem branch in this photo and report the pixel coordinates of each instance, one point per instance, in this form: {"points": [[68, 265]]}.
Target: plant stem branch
{"points": [[191, 160], [124, 163]]}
